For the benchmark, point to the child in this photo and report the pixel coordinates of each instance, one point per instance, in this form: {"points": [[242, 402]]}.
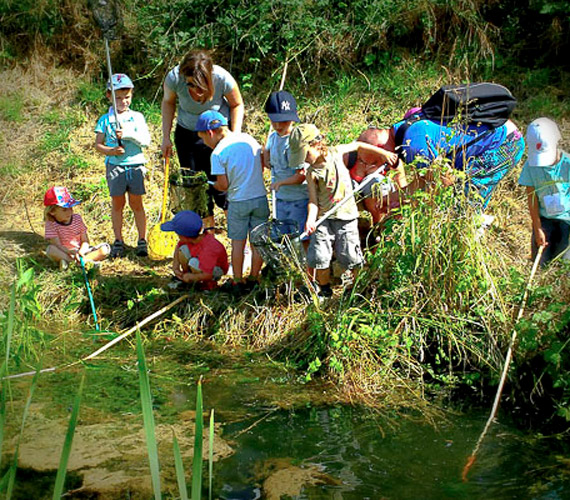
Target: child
{"points": [[329, 183], [198, 257], [546, 175], [288, 184], [236, 163], [122, 145], [66, 232]]}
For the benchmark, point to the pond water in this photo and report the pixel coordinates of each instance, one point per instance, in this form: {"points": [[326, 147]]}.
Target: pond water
{"points": [[286, 441], [324, 452]]}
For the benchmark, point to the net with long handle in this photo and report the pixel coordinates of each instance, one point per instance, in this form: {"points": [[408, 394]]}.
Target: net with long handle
{"points": [[107, 14]]}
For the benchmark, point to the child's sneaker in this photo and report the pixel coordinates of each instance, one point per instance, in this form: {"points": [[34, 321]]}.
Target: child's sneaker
{"points": [[117, 250], [142, 248], [63, 265], [325, 292]]}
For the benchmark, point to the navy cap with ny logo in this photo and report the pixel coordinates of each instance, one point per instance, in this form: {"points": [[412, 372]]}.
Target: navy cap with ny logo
{"points": [[281, 107]]}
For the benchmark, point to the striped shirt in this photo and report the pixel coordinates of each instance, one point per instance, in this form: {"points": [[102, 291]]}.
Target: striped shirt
{"points": [[69, 234]]}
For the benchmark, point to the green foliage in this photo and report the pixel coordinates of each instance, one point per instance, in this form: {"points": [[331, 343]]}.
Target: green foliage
{"points": [[25, 338]]}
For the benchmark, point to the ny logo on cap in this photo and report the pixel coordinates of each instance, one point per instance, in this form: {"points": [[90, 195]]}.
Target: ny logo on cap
{"points": [[286, 106]]}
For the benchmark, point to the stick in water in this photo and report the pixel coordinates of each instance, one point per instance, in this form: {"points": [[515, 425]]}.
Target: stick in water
{"points": [[473, 456]]}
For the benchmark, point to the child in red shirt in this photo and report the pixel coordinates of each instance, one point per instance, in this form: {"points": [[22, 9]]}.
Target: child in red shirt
{"points": [[199, 257]]}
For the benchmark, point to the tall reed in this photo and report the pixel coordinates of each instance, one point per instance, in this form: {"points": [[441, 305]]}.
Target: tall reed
{"points": [[148, 418], [65, 452]]}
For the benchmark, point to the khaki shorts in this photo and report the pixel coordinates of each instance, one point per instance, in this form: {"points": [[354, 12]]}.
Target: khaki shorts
{"points": [[343, 234]]}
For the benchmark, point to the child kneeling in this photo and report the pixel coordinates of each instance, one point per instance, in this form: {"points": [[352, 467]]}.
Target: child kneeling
{"points": [[66, 232], [199, 257]]}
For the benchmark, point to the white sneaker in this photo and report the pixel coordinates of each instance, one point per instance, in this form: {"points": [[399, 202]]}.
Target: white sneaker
{"points": [[63, 265]]}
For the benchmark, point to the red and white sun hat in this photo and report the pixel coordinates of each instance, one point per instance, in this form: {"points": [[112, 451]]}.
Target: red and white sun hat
{"points": [[542, 138]]}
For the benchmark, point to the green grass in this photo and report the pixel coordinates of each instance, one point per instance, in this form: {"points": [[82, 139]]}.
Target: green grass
{"points": [[12, 107]]}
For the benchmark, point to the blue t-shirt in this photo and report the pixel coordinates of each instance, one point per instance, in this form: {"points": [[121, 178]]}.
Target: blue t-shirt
{"points": [[238, 156], [188, 109], [278, 148], [426, 140], [135, 136], [552, 186]]}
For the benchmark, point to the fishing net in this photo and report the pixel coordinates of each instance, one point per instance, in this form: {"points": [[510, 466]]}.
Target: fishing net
{"points": [[189, 191], [279, 245], [107, 14]]}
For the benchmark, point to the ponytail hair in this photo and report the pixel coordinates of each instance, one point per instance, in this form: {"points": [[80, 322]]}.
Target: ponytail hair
{"points": [[197, 65]]}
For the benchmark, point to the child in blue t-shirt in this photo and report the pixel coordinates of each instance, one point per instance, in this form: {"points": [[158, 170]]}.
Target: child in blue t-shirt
{"points": [[121, 135], [288, 183], [546, 175]]}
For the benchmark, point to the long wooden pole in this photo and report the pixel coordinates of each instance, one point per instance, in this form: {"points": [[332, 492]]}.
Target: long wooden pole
{"points": [[473, 456]]}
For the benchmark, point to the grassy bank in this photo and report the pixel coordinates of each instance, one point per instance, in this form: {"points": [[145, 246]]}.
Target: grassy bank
{"points": [[434, 309]]}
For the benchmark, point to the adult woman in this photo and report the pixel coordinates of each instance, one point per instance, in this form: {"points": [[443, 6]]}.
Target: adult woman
{"points": [[198, 85]]}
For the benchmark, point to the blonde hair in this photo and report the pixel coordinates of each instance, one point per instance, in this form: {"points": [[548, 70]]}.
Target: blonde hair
{"points": [[48, 216], [197, 64]]}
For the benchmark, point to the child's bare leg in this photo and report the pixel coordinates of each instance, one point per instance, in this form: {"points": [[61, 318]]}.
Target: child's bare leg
{"points": [[117, 206], [371, 205], [209, 221], [98, 254], [256, 262], [136, 204], [55, 254], [324, 276], [238, 247]]}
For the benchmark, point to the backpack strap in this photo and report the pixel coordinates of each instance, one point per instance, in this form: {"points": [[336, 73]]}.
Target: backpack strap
{"points": [[401, 132], [352, 157]]}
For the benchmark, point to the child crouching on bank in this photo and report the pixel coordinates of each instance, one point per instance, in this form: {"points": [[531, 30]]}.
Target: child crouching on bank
{"points": [[199, 257]]}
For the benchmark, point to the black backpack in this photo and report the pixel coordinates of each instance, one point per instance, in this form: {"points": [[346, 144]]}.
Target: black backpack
{"points": [[488, 104], [484, 103]]}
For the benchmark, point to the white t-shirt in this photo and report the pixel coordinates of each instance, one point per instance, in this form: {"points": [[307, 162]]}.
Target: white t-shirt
{"points": [[238, 156]]}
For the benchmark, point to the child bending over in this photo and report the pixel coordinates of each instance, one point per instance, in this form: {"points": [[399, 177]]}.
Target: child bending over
{"points": [[329, 183]]}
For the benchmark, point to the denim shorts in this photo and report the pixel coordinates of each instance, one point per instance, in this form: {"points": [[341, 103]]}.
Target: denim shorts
{"points": [[243, 216], [123, 178], [343, 234], [293, 210]]}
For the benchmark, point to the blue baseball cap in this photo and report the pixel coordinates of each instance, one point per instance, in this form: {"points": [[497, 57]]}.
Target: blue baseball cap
{"points": [[185, 223], [211, 120], [281, 107], [120, 81]]}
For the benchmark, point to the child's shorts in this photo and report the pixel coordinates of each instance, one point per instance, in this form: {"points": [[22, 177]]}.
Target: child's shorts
{"points": [[123, 178], [344, 235], [293, 210], [243, 216]]}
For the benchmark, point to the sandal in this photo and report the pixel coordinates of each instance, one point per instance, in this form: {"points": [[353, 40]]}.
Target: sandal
{"points": [[117, 250], [142, 248]]}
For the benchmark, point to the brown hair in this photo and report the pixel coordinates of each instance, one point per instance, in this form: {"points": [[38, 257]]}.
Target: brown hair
{"points": [[197, 65]]}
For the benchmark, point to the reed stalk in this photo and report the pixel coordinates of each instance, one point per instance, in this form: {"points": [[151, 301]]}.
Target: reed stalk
{"points": [[197, 459], [179, 466], [65, 452], [148, 418]]}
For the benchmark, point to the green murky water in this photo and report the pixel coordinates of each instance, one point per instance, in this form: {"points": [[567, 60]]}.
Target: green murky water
{"points": [[356, 456]]}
